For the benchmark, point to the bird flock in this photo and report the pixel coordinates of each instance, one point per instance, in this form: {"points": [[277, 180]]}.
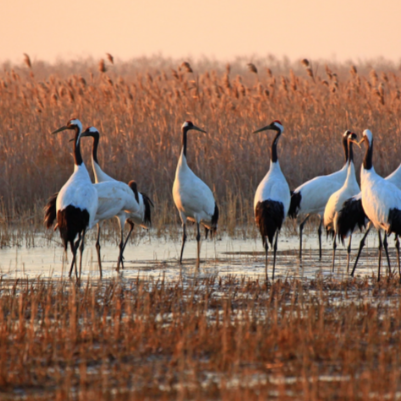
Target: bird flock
{"points": [[342, 206]]}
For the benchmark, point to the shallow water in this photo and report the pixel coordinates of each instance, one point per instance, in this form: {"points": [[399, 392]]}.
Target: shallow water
{"points": [[153, 258]]}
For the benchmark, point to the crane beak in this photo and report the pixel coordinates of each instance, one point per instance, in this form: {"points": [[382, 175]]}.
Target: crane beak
{"points": [[60, 129], [356, 142], [265, 129], [362, 140], [198, 129]]}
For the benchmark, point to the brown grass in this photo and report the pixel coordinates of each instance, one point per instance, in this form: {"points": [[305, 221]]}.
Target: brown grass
{"points": [[215, 338], [139, 107]]}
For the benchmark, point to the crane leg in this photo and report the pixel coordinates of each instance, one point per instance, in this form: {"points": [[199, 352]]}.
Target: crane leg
{"points": [[361, 245], [349, 252], [184, 238], [266, 246], [386, 250], [198, 236], [120, 255], [301, 227], [380, 255], [334, 251], [131, 228], [274, 254], [73, 251], [74, 247], [397, 247], [206, 232], [81, 251], [319, 233], [77, 242], [99, 259]]}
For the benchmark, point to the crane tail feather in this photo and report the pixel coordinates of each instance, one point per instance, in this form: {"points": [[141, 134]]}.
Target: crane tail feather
{"points": [[295, 204], [50, 211], [394, 218], [349, 217], [269, 217]]}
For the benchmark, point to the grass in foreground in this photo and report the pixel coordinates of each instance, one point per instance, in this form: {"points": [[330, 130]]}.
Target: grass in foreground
{"points": [[215, 338]]}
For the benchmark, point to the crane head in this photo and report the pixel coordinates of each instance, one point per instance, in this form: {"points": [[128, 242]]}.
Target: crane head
{"points": [[188, 125], [351, 137], [367, 136], [346, 133], [73, 124], [273, 126], [91, 131]]}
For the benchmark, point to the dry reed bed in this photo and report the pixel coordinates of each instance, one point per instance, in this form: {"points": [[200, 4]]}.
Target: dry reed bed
{"points": [[139, 107], [214, 338]]}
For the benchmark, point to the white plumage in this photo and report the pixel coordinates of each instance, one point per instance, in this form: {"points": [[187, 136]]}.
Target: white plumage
{"points": [[352, 216], [272, 198], [337, 199], [76, 192], [192, 197], [116, 199], [77, 201], [381, 200], [312, 196], [274, 186]]}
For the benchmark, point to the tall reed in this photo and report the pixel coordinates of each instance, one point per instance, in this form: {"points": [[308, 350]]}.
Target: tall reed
{"points": [[139, 106]]}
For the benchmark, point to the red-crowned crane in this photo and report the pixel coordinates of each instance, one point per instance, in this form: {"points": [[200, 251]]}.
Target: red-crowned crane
{"points": [[381, 200], [192, 197], [77, 201], [115, 199], [336, 200], [142, 215], [312, 196], [272, 198], [352, 216]]}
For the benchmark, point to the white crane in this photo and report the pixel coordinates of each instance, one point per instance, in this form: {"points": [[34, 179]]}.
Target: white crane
{"points": [[115, 199], [311, 197], [381, 200], [272, 198], [192, 197], [336, 200], [77, 201], [141, 215], [352, 216]]}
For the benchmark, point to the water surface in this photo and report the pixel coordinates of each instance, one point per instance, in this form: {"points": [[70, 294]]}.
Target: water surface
{"points": [[152, 257]]}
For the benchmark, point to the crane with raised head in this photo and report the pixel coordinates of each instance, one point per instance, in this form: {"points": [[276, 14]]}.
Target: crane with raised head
{"points": [[272, 198], [192, 197]]}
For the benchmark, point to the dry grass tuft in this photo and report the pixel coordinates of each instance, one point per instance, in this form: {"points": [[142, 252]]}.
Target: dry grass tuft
{"points": [[212, 338]]}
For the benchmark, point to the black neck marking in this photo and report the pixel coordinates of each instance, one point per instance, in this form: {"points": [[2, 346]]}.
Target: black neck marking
{"points": [[274, 157], [77, 147], [367, 161], [95, 136], [350, 153], [345, 147], [184, 140], [133, 186]]}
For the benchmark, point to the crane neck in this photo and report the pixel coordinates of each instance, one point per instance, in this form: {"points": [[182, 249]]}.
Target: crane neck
{"points": [[350, 153], [184, 141], [77, 147], [273, 155], [95, 145], [345, 147], [368, 159]]}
